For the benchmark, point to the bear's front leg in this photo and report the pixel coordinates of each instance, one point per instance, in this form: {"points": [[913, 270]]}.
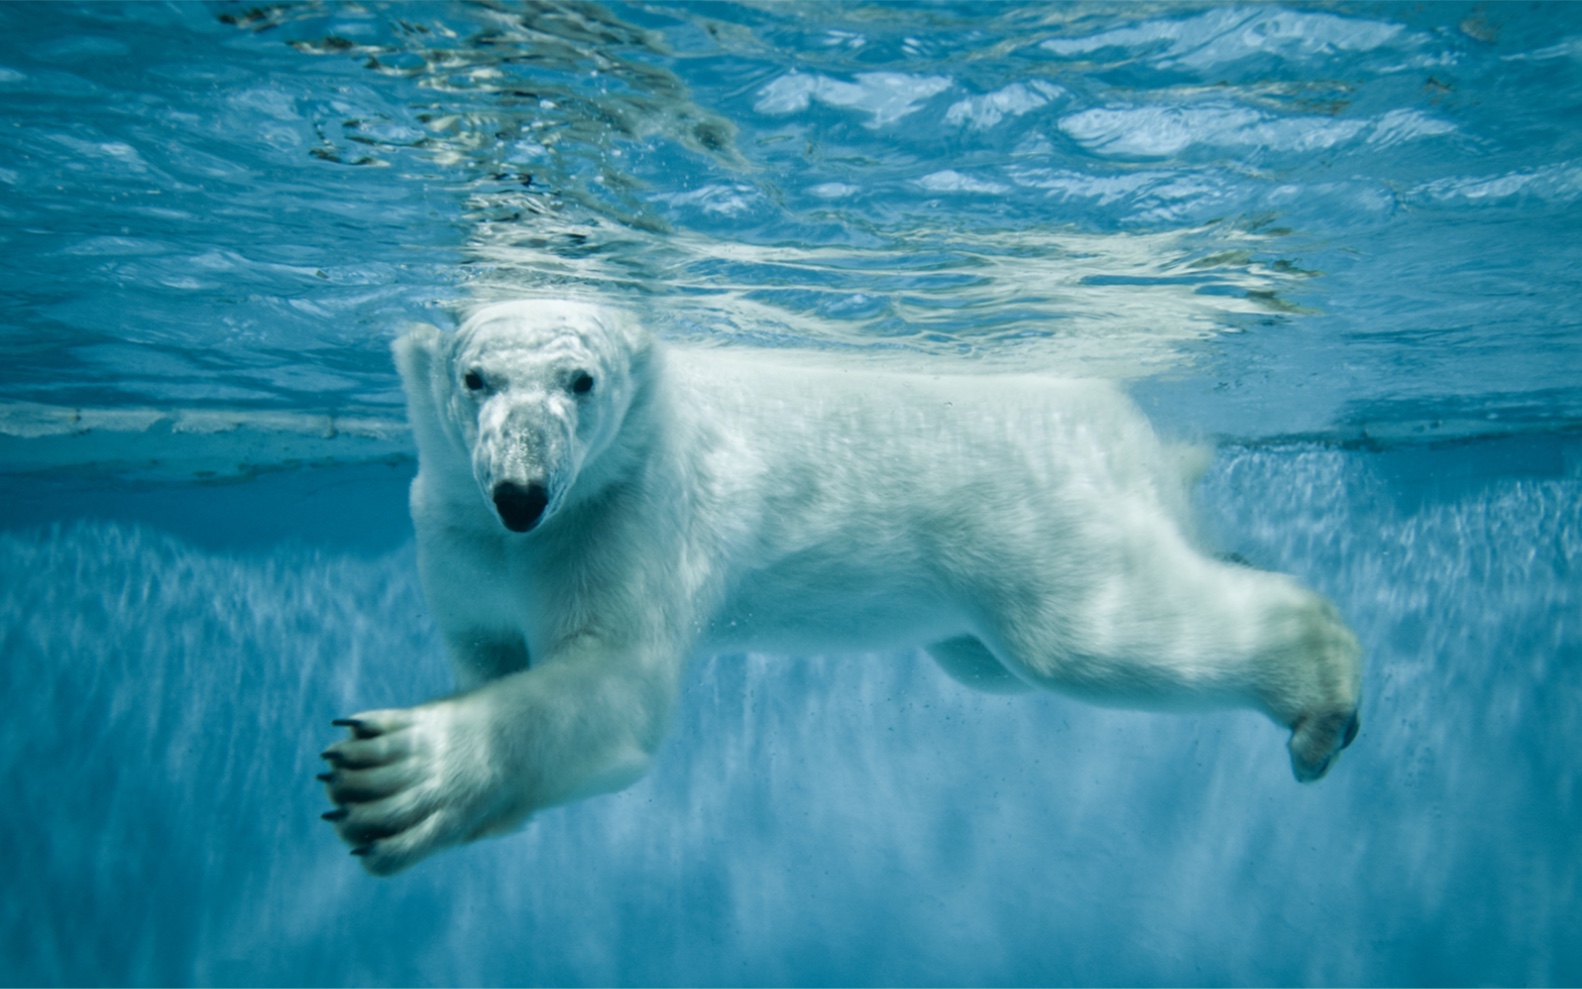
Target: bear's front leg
{"points": [[410, 782]]}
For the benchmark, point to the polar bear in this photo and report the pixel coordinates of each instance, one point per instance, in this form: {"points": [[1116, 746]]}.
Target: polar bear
{"points": [[593, 509]]}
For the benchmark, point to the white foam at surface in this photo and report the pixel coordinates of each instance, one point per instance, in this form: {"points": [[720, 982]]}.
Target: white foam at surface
{"points": [[886, 96], [1224, 35]]}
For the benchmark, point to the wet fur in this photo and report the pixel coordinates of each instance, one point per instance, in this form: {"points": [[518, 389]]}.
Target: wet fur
{"points": [[1031, 533]]}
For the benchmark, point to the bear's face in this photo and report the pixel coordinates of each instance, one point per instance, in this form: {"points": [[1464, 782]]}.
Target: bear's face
{"points": [[537, 391]]}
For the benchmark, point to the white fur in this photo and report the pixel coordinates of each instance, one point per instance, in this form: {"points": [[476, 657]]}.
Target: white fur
{"points": [[1028, 531]]}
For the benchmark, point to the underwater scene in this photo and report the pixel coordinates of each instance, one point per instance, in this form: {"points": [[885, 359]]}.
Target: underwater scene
{"points": [[1337, 243]]}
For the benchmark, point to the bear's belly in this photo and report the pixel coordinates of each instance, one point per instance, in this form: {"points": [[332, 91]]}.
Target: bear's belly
{"points": [[806, 612]]}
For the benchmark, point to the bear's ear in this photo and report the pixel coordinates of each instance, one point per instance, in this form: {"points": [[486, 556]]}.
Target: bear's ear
{"points": [[415, 355], [420, 359]]}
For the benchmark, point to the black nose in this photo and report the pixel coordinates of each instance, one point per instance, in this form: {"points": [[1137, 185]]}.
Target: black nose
{"points": [[520, 506]]}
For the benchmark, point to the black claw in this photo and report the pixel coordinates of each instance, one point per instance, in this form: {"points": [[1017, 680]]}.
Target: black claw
{"points": [[325, 777], [333, 758], [359, 727], [338, 814], [363, 850]]}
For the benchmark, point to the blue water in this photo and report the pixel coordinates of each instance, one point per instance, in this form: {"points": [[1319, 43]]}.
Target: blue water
{"points": [[1338, 242]]}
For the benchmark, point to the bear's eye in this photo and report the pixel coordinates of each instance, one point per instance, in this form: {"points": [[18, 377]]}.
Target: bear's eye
{"points": [[582, 382], [473, 380]]}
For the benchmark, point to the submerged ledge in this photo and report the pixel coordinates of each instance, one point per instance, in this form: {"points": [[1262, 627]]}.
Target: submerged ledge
{"points": [[190, 444], [204, 445], [1402, 434]]}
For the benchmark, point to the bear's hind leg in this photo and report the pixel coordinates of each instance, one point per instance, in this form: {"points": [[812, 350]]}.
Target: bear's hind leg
{"points": [[1183, 630], [1312, 682]]}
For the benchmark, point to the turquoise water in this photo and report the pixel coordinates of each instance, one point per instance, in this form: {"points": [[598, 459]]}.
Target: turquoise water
{"points": [[1338, 242]]}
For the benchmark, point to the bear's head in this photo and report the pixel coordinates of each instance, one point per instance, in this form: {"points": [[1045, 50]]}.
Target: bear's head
{"points": [[531, 394]]}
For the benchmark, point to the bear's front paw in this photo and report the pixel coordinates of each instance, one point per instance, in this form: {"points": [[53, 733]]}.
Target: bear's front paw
{"points": [[406, 784]]}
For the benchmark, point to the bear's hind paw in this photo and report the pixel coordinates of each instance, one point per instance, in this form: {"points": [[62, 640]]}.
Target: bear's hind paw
{"points": [[1317, 741]]}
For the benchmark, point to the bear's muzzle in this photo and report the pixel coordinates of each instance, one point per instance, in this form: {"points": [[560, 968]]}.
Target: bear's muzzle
{"points": [[520, 506]]}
